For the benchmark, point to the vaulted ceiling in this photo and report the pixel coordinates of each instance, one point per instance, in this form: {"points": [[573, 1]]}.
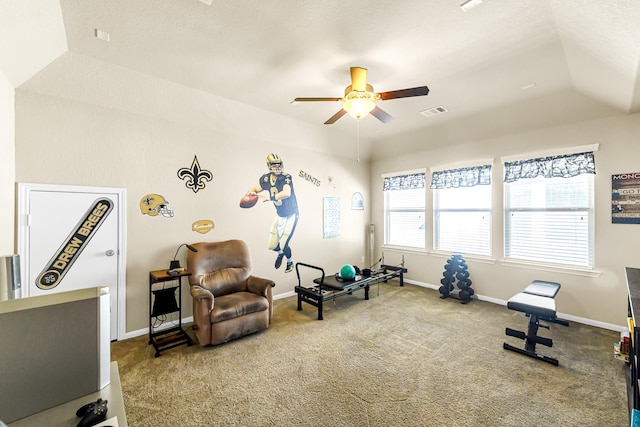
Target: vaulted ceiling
{"points": [[501, 67]]}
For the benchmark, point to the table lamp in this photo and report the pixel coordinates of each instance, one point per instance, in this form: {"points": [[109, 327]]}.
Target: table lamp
{"points": [[175, 263]]}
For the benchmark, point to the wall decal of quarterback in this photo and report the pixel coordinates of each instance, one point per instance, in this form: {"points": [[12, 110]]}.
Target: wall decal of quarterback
{"points": [[278, 187]]}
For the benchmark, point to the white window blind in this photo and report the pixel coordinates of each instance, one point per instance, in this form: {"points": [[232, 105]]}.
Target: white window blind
{"points": [[550, 220], [462, 210], [404, 209], [462, 220]]}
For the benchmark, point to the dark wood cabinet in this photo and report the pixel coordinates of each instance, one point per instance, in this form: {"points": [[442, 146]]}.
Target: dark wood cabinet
{"points": [[633, 386]]}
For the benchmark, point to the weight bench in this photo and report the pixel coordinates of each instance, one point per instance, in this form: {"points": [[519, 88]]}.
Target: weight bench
{"points": [[538, 303]]}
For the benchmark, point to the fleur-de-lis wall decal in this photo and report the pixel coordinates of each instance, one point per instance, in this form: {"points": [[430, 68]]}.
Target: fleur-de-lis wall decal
{"points": [[195, 177]]}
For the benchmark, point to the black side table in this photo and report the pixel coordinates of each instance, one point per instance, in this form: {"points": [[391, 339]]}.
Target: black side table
{"points": [[163, 302]]}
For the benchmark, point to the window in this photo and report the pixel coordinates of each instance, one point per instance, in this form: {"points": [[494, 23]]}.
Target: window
{"points": [[462, 210], [404, 215], [549, 210]]}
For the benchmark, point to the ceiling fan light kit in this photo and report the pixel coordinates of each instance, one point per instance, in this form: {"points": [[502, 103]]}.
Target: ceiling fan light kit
{"points": [[360, 99], [358, 104]]}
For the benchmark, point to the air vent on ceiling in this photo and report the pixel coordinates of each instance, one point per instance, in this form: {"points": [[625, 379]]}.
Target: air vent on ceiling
{"points": [[434, 111], [469, 4], [102, 35]]}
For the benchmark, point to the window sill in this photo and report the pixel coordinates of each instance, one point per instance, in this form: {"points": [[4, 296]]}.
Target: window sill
{"points": [[405, 249], [467, 257], [576, 271]]}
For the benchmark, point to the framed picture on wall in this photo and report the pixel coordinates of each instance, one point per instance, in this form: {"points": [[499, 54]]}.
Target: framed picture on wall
{"points": [[331, 215], [625, 198], [357, 202]]}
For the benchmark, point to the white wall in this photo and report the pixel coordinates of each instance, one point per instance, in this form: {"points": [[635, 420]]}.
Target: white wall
{"points": [[66, 142], [603, 298], [7, 165]]}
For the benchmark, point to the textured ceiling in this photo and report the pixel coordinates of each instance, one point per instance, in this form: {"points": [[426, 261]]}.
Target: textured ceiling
{"points": [[582, 55]]}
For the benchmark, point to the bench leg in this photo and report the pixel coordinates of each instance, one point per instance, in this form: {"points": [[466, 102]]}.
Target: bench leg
{"points": [[532, 335], [531, 354], [530, 341]]}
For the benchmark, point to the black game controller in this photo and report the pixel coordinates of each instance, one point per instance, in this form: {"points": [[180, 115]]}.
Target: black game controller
{"points": [[92, 413]]}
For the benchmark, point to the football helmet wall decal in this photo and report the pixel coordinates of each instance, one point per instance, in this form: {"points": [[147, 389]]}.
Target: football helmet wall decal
{"points": [[275, 164], [154, 204]]}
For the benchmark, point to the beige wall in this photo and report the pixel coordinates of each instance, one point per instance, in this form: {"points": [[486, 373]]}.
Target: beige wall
{"points": [[601, 299], [65, 142], [7, 165], [83, 144]]}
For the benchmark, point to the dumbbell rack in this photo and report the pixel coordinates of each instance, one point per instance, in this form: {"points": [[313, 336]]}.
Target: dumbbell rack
{"points": [[456, 273]]}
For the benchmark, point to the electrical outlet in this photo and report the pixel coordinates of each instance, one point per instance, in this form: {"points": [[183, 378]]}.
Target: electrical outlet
{"points": [[362, 258]]}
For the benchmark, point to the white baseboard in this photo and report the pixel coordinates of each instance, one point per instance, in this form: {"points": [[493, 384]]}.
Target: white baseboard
{"points": [[564, 316], [166, 325], [284, 295]]}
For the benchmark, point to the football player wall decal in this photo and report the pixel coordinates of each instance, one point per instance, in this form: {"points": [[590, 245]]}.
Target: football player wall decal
{"points": [[277, 186]]}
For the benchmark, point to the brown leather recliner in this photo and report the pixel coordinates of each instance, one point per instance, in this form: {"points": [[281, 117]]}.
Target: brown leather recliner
{"points": [[228, 302]]}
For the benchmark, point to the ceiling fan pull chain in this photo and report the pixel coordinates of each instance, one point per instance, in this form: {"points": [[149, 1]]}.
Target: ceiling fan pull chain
{"points": [[358, 142]]}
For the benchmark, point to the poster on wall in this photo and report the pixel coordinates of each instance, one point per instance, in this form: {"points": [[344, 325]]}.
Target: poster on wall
{"points": [[331, 209], [357, 202], [625, 198]]}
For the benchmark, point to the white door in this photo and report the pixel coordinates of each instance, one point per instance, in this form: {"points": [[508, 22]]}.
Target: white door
{"points": [[72, 238]]}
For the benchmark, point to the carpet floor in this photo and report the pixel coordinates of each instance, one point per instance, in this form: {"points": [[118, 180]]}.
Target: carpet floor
{"points": [[403, 358]]}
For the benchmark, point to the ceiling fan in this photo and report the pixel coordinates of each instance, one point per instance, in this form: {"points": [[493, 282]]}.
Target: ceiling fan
{"points": [[360, 99]]}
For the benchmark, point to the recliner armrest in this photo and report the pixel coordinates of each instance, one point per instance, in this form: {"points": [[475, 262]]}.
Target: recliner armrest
{"points": [[259, 285], [201, 295]]}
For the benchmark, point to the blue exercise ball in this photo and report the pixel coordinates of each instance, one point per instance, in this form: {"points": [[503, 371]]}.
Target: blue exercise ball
{"points": [[347, 271]]}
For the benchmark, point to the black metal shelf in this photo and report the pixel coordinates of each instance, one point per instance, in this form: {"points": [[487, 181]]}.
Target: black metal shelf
{"points": [[161, 303]]}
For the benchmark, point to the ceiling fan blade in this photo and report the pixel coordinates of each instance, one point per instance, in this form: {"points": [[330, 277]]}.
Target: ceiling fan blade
{"points": [[405, 93], [381, 115], [316, 99], [335, 117], [359, 79]]}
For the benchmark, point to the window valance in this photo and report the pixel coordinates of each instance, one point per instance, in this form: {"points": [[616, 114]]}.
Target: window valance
{"points": [[404, 182], [462, 177], [564, 166]]}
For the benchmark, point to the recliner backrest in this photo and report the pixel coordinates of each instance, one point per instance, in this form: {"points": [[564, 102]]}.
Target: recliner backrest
{"points": [[220, 267]]}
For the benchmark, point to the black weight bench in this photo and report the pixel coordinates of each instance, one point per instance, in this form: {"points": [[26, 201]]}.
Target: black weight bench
{"points": [[538, 303]]}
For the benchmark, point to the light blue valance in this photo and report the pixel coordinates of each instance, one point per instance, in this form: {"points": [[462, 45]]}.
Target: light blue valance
{"points": [[565, 166], [404, 182], [462, 177]]}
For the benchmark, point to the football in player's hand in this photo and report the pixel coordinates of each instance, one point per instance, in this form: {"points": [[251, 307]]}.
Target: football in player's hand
{"points": [[249, 200]]}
